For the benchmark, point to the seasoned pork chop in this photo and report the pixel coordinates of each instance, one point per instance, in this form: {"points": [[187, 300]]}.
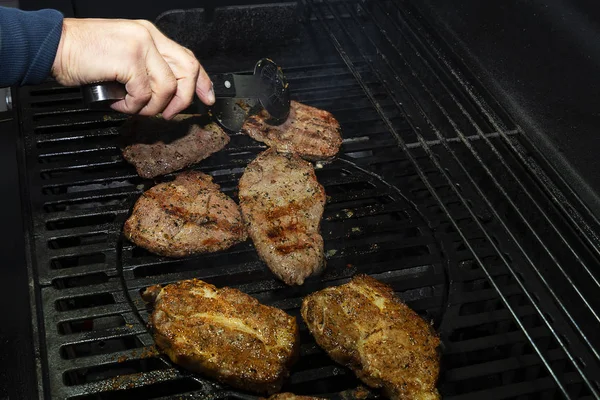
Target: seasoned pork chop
{"points": [[365, 327], [282, 204], [155, 146], [292, 396], [311, 133], [186, 216], [224, 334]]}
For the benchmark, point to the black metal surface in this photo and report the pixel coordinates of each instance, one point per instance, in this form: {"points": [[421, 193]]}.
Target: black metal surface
{"points": [[544, 66], [17, 344], [436, 191]]}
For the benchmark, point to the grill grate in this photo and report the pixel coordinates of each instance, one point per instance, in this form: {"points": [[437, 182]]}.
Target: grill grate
{"points": [[436, 192]]}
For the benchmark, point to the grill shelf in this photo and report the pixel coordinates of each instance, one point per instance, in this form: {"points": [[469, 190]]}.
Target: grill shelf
{"points": [[436, 192]]}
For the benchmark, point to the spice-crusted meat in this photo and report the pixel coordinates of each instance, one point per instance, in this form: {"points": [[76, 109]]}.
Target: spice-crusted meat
{"points": [[365, 327], [224, 334], [186, 216], [282, 204], [157, 147], [311, 133], [292, 396]]}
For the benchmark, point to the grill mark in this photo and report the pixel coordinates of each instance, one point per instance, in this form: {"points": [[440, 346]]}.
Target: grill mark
{"points": [[308, 131], [291, 248], [290, 209], [169, 198], [169, 201]]}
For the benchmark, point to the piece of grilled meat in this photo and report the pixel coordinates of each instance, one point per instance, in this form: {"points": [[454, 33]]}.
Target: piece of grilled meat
{"points": [[365, 327], [224, 334], [311, 133], [186, 216], [155, 146], [292, 396], [282, 204]]}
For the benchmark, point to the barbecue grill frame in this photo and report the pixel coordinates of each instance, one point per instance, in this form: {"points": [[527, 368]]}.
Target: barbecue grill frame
{"points": [[570, 211]]}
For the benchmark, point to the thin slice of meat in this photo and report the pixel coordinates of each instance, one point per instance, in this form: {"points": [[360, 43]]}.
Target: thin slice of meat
{"points": [[282, 205], [311, 133], [366, 327], [186, 216], [155, 146], [224, 334]]}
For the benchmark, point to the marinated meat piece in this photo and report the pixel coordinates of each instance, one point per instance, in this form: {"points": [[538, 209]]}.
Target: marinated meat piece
{"points": [[155, 146], [312, 133], [186, 216], [359, 393], [282, 204], [292, 396], [224, 334], [365, 327]]}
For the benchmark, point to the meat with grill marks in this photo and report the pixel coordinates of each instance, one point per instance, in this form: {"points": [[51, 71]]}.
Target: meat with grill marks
{"points": [[155, 146], [186, 216], [224, 334], [311, 133], [364, 326], [282, 204]]}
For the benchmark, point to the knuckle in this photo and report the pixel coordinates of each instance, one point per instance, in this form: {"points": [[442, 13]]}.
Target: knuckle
{"points": [[140, 33], [145, 96], [194, 66], [171, 85], [166, 88], [145, 23]]}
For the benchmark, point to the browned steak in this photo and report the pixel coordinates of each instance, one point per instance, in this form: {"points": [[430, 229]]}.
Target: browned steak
{"points": [[186, 216], [157, 147], [312, 133], [282, 204], [364, 326], [224, 334]]}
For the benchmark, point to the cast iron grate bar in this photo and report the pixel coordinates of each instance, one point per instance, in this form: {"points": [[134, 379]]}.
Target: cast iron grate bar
{"points": [[382, 113]]}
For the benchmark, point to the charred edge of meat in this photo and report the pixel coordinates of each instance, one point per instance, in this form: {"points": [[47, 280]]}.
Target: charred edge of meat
{"points": [[150, 294]]}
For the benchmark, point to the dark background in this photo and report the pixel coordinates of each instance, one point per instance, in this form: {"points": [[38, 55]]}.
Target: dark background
{"points": [[540, 58]]}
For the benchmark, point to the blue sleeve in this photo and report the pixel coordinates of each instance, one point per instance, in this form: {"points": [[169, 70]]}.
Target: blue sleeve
{"points": [[28, 44]]}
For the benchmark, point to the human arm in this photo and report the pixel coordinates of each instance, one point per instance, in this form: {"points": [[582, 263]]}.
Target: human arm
{"points": [[159, 74]]}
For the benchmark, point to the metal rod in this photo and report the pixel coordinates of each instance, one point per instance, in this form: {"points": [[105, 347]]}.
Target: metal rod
{"points": [[510, 201], [490, 115], [443, 139], [426, 182]]}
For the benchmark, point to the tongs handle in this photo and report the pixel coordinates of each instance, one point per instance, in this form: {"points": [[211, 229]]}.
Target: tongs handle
{"points": [[224, 85], [267, 85]]}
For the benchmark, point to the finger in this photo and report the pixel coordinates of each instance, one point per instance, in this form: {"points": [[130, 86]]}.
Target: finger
{"points": [[204, 88], [174, 53], [138, 95], [186, 83], [163, 83]]}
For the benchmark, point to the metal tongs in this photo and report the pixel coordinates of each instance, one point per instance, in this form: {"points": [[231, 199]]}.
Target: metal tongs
{"points": [[237, 96]]}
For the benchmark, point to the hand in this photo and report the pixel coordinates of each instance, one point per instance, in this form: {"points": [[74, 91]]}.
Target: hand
{"points": [[160, 75]]}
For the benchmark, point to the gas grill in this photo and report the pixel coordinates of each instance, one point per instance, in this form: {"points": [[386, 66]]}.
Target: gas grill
{"points": [[437, 191]]}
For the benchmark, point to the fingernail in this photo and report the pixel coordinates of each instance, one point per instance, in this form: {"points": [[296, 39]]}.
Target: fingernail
{"points": [[211, 95]]}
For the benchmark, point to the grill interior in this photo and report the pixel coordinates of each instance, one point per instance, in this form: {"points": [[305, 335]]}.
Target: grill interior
{"points": [[436, 191]]}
